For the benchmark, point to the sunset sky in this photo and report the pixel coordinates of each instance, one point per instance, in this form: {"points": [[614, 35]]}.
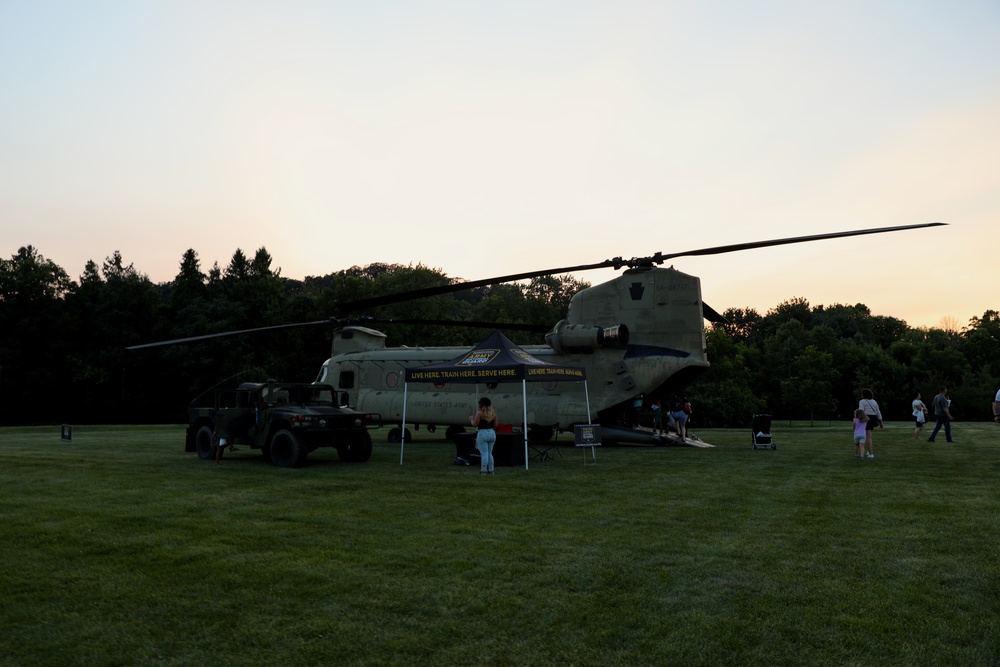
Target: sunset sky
{"points": [[489, 138]]}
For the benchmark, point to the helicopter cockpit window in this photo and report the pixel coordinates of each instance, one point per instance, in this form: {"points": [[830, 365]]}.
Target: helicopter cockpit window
{"points": [[346, 380]]}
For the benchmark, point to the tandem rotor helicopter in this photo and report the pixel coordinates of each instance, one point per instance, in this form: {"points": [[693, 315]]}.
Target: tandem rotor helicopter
{"points": [[641, 332]]}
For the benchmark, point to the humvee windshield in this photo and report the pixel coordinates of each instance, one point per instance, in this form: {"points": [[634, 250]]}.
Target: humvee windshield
{"points": [[300, 395]]}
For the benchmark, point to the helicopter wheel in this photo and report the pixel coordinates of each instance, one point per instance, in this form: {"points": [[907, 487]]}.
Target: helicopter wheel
{"points": [[286, 450], [395, 433], [204, 442]]}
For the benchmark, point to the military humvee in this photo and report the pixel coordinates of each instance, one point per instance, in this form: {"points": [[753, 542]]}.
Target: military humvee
{"points": [[285, 421]]}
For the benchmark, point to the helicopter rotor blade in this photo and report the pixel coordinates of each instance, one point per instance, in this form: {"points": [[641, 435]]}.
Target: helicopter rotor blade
{"points": [[400, 297], [736, 247], [712, 315], [615, 263], [225, 334], [334, 322], [470, 324]]}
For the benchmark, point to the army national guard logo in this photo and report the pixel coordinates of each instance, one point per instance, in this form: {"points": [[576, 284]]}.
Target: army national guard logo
{"points": [[479, 357]]}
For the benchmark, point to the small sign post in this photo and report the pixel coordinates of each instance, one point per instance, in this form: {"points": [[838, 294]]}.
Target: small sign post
{"points": [[588, 435], [67, 433]]}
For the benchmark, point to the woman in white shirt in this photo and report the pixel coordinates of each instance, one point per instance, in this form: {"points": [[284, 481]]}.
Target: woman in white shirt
{"points": [[919, 416]]}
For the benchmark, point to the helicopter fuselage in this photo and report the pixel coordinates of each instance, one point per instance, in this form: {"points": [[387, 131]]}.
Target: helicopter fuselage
{"points": [[639, 333]]}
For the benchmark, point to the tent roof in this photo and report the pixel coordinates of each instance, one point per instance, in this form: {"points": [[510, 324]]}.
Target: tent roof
{"points": [[495, 359]]}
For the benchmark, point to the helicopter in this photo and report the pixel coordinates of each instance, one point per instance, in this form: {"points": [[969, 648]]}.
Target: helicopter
{"points": [[640, 333]]}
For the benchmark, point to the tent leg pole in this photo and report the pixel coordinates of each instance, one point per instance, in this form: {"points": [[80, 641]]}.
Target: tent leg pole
{"points": [[402, 431], [524, 394], [586, 393]]}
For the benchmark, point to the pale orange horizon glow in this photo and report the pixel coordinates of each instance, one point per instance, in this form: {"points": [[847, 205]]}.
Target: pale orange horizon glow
{"points": [[484, 141]]}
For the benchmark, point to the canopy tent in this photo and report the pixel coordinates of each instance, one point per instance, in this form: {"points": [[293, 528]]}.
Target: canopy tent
{"points": [[495, 359]]}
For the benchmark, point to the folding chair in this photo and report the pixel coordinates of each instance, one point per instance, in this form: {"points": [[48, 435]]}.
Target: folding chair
{"points": [[760, 432], [543, 450]]}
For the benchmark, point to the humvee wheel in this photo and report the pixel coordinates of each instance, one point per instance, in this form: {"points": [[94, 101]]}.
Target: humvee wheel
{"points": [[359, 451], [204, 442], [286, 450]]}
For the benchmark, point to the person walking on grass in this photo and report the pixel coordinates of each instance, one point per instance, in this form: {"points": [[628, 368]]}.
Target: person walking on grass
{"points": [[942, 415], [874, 414], [860, 432], [919, 416]]}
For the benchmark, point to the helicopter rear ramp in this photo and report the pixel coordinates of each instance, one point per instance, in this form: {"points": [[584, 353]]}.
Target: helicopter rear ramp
{"points": [[618, 435]]}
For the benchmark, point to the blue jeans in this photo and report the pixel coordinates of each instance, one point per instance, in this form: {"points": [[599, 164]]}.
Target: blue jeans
{"points": [[485, 439], [941, 420]]}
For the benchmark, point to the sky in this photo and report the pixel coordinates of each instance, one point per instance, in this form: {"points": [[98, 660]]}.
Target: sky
{"points": [[484, 139]]}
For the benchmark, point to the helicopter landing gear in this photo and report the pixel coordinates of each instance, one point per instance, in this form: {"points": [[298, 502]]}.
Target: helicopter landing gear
{"points": [[395, 433]]}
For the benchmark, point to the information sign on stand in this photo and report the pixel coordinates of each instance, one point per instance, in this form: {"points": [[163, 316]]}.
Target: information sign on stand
{"points": [[588, 435]]}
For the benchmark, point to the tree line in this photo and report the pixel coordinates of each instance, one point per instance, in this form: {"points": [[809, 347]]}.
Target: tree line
{"points": [[63, 355], [803, 362]]}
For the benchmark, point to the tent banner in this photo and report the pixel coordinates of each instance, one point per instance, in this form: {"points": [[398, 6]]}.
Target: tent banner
{"points": [[571, 373], [484, 374], [496, 359], [495, 374]]}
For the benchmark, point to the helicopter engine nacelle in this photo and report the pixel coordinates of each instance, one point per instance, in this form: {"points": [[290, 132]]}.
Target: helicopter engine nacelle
{"points": [[582, 338]]}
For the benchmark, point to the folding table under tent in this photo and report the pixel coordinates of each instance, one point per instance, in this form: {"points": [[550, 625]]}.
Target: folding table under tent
{"points": [[495, 359]]}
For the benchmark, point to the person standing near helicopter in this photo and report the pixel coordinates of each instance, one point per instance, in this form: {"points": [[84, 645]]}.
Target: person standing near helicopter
{"points": [[485, 421], [636, 411], [679, 412], [657, 417]]}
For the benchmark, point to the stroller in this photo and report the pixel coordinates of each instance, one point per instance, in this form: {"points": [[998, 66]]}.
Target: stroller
{"points": [[760, 432]]}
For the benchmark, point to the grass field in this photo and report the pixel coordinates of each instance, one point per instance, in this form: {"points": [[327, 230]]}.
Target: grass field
{"points": [[121, 549]]}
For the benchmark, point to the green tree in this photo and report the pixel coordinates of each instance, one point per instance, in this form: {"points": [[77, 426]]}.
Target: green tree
{"points": [[34, 337], [741, 323], [980, 341], [723, 395], [188, 286], [112, 308], [810, 388]]}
